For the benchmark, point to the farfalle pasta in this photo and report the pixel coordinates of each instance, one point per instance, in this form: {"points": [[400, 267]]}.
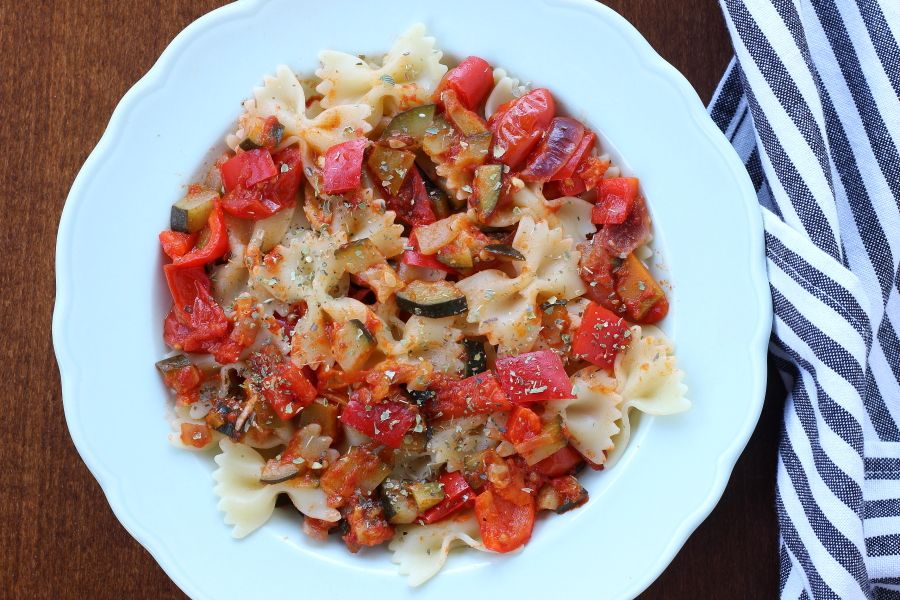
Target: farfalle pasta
{"points": [[413, 300]]}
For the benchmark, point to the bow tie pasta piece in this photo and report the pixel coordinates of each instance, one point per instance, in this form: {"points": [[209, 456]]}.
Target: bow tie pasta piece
{"points": [[420, 551], [574, 218], [648, 380], [433, 341], [365, 221], [505, 89], [304, 270], [408, 76], [283, 97], [248, 503], [452, 440], [590, 418], [505, 308]]}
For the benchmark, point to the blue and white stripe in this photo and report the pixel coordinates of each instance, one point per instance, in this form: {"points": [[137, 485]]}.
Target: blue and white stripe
{"points": [[811, 103]]}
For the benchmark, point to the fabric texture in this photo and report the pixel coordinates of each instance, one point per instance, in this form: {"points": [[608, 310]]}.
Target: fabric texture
{"points": [[810, 103]]}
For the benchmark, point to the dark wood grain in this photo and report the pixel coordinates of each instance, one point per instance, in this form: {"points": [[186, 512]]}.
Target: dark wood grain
{"points": [[65, 66]]}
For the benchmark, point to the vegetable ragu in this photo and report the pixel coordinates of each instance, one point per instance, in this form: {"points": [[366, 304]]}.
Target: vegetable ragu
{"points": [[395, 308]]}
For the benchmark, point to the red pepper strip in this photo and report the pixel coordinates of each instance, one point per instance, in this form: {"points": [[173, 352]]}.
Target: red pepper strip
{"points": [[519, 124], [534, 377], [601, 336], [457, 494], [417, 259], [476, 395], [343, 166], [615, 199], [556, 149], [215, 247], [504, 525], [581, 152], [471, 79], [247, 169], [176, 243], [287, 390], [559, 463], [523, 424], [385, 422]]}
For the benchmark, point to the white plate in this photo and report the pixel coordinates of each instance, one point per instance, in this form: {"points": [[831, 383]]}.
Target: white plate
{"points": [[111, 297]]}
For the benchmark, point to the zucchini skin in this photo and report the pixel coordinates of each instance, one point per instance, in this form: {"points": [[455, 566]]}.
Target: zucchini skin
{"points": [[457, 306], [476, 360], [434, 299]]}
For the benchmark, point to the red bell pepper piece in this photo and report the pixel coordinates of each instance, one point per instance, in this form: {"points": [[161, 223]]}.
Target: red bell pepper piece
{"points": [[417, 259], [519, 124], [615, 199], [476, 395], [555, 150], [523, 423], [176, 243], [457, 495], [343, 166], [471, 79], [534, 377], [504, 525], [266, 198], [559, 463], [287, 390], [216, 246], [386, 422], [601, 336], [247, 169], [581, 152]]}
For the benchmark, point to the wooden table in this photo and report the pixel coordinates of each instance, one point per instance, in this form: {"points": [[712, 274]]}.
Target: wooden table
{"points": [[65, 66]]}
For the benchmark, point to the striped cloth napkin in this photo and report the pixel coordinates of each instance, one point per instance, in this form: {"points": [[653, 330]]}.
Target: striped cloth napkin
{"points": [[810, 103]]}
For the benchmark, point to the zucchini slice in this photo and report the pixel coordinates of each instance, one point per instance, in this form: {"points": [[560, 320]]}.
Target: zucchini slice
{"points": [[420, 397], [504, 251], [434, 299], [486, 190], [439, 138], [352, 344], [189, 215], [426, 494], [456, 255], [399, 505], [359, 255], [263, 133], [173, 363], [390, 166], [476, 359], [412, 122]]}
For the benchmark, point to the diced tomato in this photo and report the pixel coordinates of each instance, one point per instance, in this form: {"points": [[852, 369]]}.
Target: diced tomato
{"points": [[457, 494], [615, 198], [417, 259], [287, 390], [523, 423], [472, 79], [504, 525], [176, 243], [216, 245], [476, 395], [366, 523], [266, 198], [578, 156], [591, 171], [519, 124], [196, 320], [386, 422], [571, 186], [623, 238], [555, 150], [559, 463], [247, 169], [596, 269], [343, 166], [657, 312], [412, 204], [353, 471], [601, 336], [182, 380], [534, 377], [198, 436], [571, 494]]}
